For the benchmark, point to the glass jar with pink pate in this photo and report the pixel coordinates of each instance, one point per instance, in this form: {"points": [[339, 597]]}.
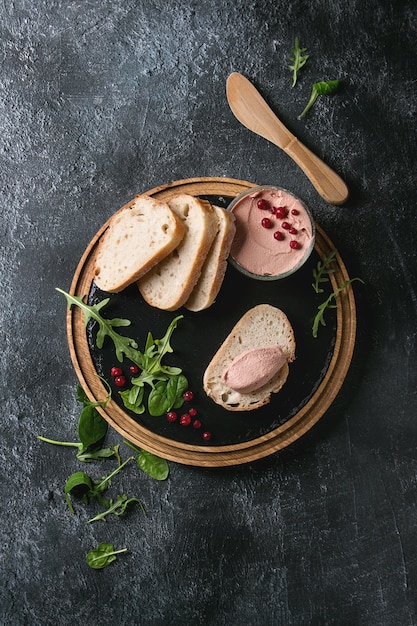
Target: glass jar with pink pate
{"points": [[275, 233]]}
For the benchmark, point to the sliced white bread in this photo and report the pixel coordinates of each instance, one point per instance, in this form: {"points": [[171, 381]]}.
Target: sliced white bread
{"points": [[214, 268], [169, 284], [261, 326], [139, 236]]}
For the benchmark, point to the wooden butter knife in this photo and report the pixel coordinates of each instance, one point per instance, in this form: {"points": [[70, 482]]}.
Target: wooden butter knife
{"points": [[252, 111]]}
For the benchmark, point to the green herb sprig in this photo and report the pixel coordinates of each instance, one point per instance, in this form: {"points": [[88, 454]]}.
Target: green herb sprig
{"points": [[322, 271], [167, 383], [103, 555], [298, 59], [329, 304], [322, 88]]}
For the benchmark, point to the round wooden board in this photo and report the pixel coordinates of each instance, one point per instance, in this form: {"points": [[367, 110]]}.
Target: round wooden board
{"points": [[214, 456]]}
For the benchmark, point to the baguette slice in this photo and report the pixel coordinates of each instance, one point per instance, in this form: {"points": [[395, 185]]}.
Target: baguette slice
{"points": [[139, 235], [169, 284], [263, 325], [214, 268]]}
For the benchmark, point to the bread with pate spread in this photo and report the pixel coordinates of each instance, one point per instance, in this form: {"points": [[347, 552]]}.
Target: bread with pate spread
{"points": [[214, 268], [140, 235], [169, 284], [262, 326]]}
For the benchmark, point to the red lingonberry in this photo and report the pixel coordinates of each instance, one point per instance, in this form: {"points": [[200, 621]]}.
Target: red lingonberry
{"points": [[286, 225], [206, 435], [293, 230], [133, 369], [188, 395], [116, 371], [281, 212], [278, 235], [196, 424], [185, 419], [294, 244], [193, 412], [262, 204], [266, 222], [120, 381], [295, 211], [172, 416]]}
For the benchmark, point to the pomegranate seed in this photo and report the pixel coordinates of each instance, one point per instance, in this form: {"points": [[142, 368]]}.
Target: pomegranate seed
{"points": [[206, 435], [293, 230], [172, 416], [294, 244], [285, 225], [281, 212], [278, 235], [120, 381], [193, 412], [262, 204], [133, 369], [295, 211], [116, 371], [185, 419], [188, 395], [196, 424], [266, 222]]}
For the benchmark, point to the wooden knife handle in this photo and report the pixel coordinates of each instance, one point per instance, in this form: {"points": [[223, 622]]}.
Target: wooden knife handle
{"points": [[329, 185]]}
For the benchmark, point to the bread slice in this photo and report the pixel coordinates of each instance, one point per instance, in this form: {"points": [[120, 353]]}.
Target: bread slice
{"points": [[169, 284], [263, 325], [139, 235], [215, 265]]}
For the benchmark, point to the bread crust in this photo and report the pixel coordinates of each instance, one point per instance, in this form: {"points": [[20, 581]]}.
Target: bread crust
{"points": [[169, 284], [215, 265], [263, 325], [140, 235]]}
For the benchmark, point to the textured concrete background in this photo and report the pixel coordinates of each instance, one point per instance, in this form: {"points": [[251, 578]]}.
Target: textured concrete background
{"points": [[100, 100]]}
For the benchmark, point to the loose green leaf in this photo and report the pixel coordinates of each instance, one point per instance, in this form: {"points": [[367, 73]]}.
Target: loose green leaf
{"points": [[329, 304], [298, 59], [158, 402], [79, 485], [150, 463], [323, 88], [322, 271], [116, 507], [92, 428], [103, 555]]}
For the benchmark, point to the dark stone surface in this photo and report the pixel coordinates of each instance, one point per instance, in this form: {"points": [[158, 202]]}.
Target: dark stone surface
{"points": [[104, 99]]}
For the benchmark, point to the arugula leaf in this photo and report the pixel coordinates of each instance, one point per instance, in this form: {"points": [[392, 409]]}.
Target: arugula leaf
{"points": [[154, 373], [299, 59], [329, 304], [322, 271], [323, 88], [116, 507], [103, 555]]}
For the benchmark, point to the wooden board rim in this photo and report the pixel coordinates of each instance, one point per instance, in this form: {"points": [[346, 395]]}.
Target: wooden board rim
{"points": [[215, 456]]}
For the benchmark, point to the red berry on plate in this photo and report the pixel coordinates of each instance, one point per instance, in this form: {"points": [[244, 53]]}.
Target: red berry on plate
{"points": [[133, 369], [262, 204], [266, 222], [185, 419], [278, 235], [120, 381], [196, 424], [206, 435], [188, 395], [193, 412], [294, 244], [172, 416], [116, 371]]}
